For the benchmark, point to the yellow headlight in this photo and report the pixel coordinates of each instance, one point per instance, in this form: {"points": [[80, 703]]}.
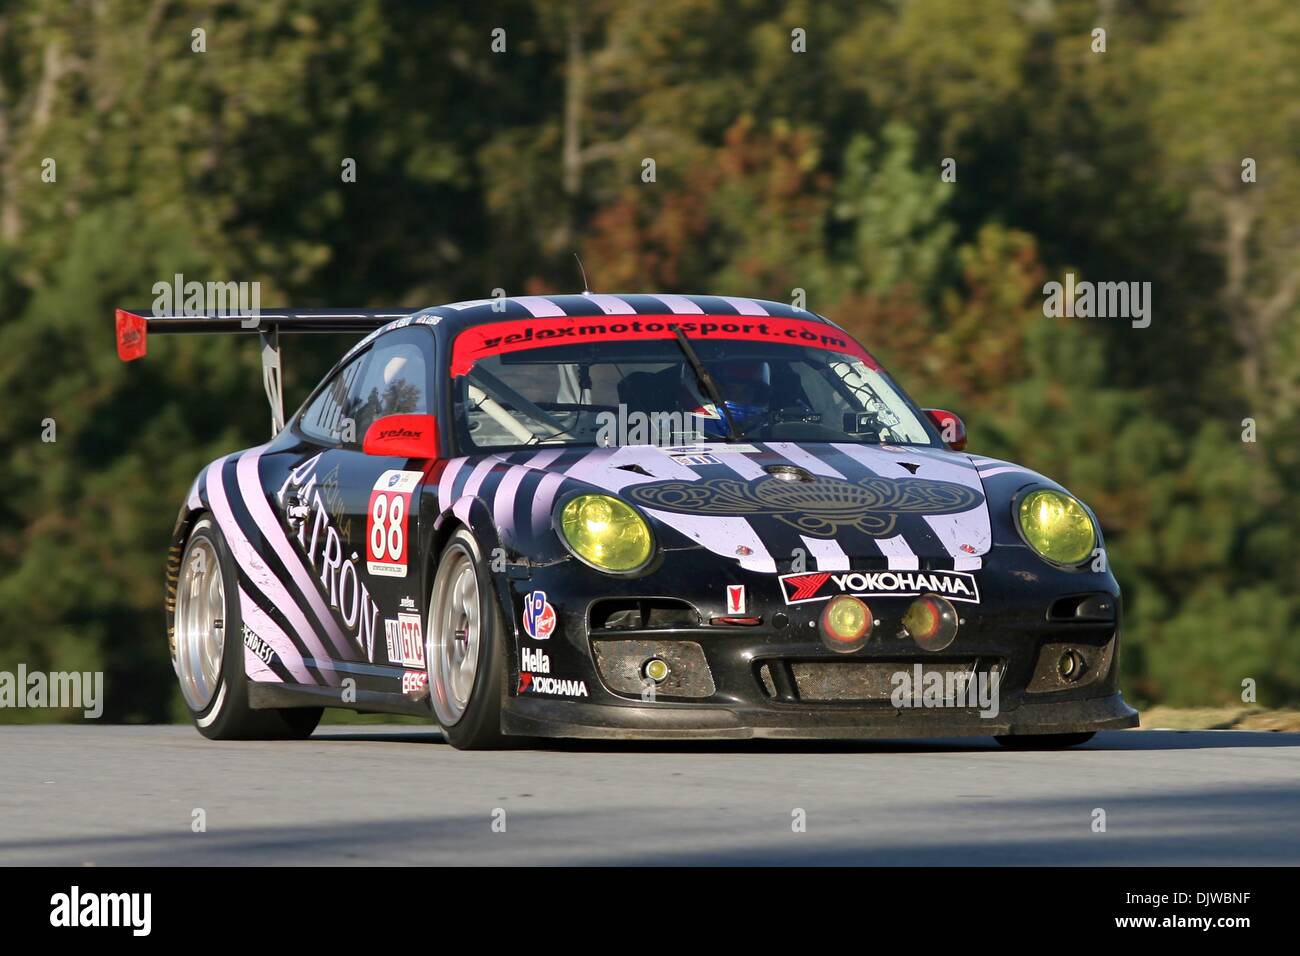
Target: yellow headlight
{"points": [[607, 532], [1057, 527]]}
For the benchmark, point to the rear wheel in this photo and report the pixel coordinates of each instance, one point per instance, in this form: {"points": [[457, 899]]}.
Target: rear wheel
{"points": [[208, 650], [1043, 741], [464, 650]]}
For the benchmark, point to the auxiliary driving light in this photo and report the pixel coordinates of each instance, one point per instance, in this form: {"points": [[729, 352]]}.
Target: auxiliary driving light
{"points": [[656, 669], [1070, 666], [846, 624], [931, 621]]}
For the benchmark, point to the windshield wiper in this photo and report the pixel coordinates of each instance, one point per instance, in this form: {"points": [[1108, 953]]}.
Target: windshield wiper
{"points": [[706, 381]]}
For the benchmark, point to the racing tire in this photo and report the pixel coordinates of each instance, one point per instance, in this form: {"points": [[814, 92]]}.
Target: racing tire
{"points": [[465, 649], [1043, 741], [208, 649]]}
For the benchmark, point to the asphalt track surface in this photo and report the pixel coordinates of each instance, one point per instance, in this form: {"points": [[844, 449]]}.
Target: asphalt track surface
{"points": [[114, 795]]}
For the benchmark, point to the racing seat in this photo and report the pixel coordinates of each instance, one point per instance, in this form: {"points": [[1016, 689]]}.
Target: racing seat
{"points": [[650, 391]]}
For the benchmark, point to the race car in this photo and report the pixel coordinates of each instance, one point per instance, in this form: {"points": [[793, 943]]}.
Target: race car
{"points": [[627, 516]]}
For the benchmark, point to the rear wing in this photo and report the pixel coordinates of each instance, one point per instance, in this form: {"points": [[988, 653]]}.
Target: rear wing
{"points": [[134, 326]]}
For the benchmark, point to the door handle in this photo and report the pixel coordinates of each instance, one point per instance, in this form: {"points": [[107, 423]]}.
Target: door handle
{"points": [[294, 507]]}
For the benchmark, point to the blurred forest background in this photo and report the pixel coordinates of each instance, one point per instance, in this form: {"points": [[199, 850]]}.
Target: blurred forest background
{"points": [[775, 170]]}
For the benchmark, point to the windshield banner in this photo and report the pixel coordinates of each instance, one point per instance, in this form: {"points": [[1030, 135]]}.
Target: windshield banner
{"points": [[516, 335]]}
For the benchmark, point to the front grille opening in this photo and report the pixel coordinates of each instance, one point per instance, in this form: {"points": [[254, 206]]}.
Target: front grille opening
{"points": [[859, 681], [642, 614]]}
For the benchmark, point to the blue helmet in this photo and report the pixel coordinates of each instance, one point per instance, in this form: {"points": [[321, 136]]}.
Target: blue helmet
{"points": [[746, 389]]}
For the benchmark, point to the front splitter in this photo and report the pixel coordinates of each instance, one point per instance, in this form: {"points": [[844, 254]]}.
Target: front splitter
{"points": [[557, 718]]}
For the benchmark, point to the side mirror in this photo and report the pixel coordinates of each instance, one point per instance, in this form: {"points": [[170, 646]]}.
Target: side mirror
{"points": [[951, 428], [402, 436]]}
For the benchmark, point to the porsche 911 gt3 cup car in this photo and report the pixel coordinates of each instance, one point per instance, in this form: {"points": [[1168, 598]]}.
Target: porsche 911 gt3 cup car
{"points": [[628, 516]]}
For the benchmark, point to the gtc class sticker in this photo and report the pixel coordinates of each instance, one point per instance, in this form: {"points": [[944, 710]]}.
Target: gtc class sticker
{"points": [[539, 616], [823, 585], [405, 642], [387, 522]]}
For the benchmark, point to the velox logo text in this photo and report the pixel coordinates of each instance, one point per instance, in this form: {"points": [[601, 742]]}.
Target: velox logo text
{"points": [[56, 689], [73, 909], [823, 585]]}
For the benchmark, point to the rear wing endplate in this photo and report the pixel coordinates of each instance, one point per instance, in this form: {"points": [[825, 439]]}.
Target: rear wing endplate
{"points": [[133, 328]]}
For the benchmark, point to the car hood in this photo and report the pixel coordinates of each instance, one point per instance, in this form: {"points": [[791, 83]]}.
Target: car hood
{"points": [[762, 503]]}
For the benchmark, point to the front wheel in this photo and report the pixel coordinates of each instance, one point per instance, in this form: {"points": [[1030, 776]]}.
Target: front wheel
{"points": [[1043, 741], [464, 648], [208, 652]]}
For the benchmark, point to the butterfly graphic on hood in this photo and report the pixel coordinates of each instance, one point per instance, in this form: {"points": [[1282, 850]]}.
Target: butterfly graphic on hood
{"points": [[819, 507]]}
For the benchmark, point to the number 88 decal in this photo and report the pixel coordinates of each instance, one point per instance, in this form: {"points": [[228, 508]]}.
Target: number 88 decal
{"points": [[387, 524], [388, 533]]}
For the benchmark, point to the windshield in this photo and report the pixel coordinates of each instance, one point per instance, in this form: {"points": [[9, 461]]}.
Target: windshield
{"points": [[648, 392]]}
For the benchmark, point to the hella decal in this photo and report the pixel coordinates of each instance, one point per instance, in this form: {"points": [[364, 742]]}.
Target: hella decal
{"points": [[822, 585], [534, 662], [534, 668]]}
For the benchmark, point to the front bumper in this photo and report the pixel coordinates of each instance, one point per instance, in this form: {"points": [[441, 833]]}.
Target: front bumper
{"points": [[758, 682]]}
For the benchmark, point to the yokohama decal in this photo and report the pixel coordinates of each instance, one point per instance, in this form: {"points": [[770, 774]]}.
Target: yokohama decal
{"points": [[803, 587], [497, 338], [823, 585], [387, 523], [560, 687]]}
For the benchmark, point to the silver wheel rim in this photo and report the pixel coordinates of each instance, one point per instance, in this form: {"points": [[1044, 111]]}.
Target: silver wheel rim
{"points": [[200, 624], [454, 635]]}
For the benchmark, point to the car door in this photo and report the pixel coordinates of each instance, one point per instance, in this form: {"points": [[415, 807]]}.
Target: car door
{"points": [[354, 516], [381, 494]]}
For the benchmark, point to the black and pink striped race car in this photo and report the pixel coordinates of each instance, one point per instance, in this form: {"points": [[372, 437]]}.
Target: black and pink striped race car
{"points": [[628, 516]]}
